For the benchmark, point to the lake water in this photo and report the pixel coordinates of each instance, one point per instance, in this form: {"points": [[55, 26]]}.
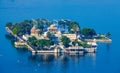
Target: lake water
{"points": [[102, 15]]}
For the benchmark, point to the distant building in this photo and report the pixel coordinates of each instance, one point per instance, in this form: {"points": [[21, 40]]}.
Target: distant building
{"points": [[71, 36], [53, 29], [34, 32]]}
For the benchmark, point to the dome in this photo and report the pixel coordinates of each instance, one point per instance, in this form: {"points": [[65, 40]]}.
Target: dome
{"points": [[52, 26], [33, 28]]}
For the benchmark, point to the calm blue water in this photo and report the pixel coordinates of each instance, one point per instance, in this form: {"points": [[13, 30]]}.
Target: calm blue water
{"points": [[102, 15]]}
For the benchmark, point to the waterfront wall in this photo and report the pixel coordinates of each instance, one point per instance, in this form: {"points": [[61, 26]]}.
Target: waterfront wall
{"points": [[90, 50], [98, 40]]}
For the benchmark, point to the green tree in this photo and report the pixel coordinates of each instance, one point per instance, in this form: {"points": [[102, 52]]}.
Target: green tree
{"points": [[32, 38], [47, 42], [73, 27], [74, 42], [15, 31], [65, 40], [32, 41], [84, 44], [40, 26], [88, 32], [22, 27], [9, 24], [43, 42], [40, 32], [108, 34], [40, 44], [49, 35]]}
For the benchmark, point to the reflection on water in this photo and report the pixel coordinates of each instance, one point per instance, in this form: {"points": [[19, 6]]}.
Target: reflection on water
{"points": [[42, 57], [63, 62], [108, 46], [48, 62], [49, 57]]}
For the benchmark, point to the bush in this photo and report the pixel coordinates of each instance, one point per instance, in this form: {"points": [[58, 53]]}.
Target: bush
{"points": [[15, 31], [88, 32]]}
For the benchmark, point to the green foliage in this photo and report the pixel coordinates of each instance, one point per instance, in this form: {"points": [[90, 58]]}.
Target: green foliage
{"points": [[76, 42], [83, 44], [15, 31], [32, 38], [22, 27], [108, 34], [40, 32], [9, 24], [25, 26], [44, 42], [32, 41], [88, 32], [49, 35], [40, 26], [39, 44], [65, 40], [42, 22], [73, 27]]}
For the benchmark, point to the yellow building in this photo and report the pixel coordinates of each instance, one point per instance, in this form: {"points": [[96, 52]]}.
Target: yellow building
{"points": [[34, 31], [53, 29], [70, 36]]}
